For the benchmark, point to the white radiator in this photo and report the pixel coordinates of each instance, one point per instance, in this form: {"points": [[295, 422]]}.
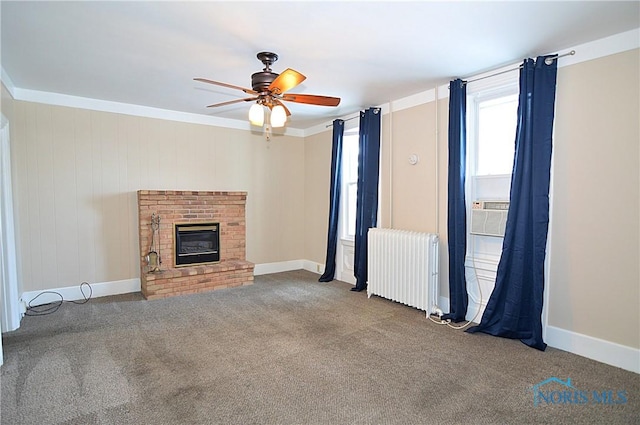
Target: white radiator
{"points": [[403, 267]]}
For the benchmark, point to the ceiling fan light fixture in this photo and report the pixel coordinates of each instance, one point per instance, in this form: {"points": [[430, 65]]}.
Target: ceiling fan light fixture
{"points": [[278, 116], [256, 115]]}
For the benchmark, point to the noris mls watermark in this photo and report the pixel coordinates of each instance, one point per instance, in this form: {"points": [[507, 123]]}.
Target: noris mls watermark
{"points": [[555, 391]]}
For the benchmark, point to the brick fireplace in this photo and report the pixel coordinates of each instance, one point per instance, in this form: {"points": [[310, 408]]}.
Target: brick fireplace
{"points": [[226, 209]]}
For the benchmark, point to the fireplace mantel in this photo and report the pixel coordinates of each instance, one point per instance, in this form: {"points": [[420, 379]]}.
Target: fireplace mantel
{"points": [[173, 206]]}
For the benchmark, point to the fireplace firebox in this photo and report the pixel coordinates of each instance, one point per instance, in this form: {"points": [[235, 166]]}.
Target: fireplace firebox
{"points": [[196, 243]]}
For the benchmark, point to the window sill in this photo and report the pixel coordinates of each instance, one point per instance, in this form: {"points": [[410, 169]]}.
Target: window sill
{"points": [[347, 241]]}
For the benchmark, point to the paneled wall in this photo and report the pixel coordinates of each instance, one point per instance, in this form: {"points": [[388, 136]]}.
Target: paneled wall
{"points": [[77, 173]]}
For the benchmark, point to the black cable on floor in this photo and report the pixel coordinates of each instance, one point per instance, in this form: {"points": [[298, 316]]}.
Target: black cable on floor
{"points": [[52, 307]]}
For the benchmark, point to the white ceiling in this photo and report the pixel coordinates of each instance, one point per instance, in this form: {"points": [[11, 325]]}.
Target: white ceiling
{"points": [[365, 52]]}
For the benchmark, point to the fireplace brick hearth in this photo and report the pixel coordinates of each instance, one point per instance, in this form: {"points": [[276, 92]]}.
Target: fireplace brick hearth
{"points": [[172, 206]]}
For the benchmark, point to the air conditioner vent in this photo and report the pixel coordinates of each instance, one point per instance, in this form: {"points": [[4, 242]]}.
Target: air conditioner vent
{"points": [[489, 218]]}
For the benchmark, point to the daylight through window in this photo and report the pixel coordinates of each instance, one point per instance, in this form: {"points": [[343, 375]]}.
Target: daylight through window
{"points": [[497, 119]]}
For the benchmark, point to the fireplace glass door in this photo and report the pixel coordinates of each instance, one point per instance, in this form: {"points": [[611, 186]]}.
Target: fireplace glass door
{"points": [[197, 243]]}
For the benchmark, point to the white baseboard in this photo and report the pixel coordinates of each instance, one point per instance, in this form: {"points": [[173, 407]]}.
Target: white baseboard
{"points": [[443, 304], [473, 308], [597, 349], [103, 289], [608, 352], [282, 266], [313, 267], [318, 268], [285, 266], [73, 293]]}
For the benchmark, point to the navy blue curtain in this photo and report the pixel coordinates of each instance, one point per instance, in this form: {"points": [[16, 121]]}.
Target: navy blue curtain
{"points": [[514, 309], [456, 209], [367, 190], [334, 202]]}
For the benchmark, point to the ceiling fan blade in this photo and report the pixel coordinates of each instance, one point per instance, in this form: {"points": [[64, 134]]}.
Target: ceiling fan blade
{"points": [[231, 86], [246, 99], [277, 102], [287, 80], [312, 99]]}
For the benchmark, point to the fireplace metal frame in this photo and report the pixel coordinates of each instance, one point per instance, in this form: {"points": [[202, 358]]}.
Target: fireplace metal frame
{"points": [[198, 226]]}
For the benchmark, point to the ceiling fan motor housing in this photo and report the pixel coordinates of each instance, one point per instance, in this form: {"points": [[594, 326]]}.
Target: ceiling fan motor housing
{"points": [[260, 81]]}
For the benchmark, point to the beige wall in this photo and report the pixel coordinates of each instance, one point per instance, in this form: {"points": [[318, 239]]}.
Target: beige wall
{"points": [[412, 187], [594, 282], [77, 172], [414, 197], [317, 181]]}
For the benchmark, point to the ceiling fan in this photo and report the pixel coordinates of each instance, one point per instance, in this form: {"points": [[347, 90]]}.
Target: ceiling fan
{"points": [[269, 89]]}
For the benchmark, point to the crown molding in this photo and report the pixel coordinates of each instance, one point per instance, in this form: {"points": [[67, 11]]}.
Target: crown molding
{"points": [[617, 43], [8, 83], [59, 99]]}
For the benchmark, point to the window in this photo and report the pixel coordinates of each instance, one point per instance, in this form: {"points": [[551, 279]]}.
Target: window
{"points": [[496, 133], [492, 121], [348, 200], [492, 107], [350, 151]]}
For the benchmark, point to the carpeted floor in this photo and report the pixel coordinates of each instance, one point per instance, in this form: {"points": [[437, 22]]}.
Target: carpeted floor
{"points": [[290, 350]]}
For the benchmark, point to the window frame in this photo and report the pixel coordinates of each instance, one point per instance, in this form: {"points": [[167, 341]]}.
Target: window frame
{"points": [[484, 187], [474, 99], [352, 134]]}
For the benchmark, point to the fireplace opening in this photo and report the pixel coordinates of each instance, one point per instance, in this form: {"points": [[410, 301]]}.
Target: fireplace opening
{"points": [[196, 243]]}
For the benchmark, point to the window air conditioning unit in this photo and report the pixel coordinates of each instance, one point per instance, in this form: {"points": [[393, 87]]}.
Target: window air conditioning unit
{"points": [[489, 218]]}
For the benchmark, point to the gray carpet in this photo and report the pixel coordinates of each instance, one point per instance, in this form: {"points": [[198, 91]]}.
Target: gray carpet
{"points": [[288, 350]]}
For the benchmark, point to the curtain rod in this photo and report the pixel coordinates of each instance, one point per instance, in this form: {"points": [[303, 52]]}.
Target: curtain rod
{"points": [[345, 120], [547, 61]]}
